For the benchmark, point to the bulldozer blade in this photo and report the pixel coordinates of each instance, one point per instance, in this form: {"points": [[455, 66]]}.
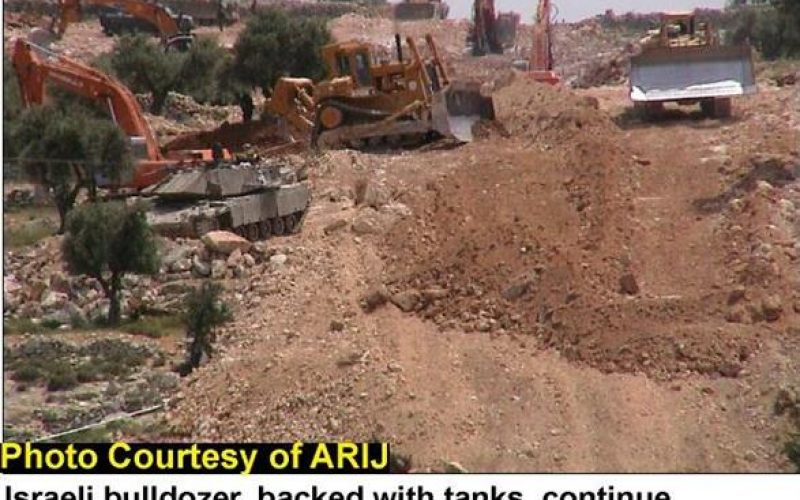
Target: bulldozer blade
{"points": [[692, 72], [458, 108]]}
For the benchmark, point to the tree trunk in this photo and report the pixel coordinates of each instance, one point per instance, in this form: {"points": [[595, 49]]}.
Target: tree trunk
{"points": [[65, 197], [159, 99], [114, 312]]}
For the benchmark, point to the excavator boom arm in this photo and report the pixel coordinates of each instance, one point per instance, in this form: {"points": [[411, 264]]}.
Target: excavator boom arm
{"points": [[36, 66], [69, 12]]}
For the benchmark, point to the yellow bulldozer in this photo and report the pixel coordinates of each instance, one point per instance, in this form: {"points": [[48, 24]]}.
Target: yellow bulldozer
{"points": [[683, 61], [368, 100]]}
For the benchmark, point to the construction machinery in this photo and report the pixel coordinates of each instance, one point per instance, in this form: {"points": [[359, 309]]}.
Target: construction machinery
{"points": [[683, 61], [36, 66], [408, 10], [541, 64], [253, 201], [207, 12], [507, 24], [126, 16], [367, 102], [483, 36]]}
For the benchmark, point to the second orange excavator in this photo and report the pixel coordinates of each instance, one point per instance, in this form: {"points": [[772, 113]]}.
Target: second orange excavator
{"points": [[174, 30], [35, 66], [541, 60]]}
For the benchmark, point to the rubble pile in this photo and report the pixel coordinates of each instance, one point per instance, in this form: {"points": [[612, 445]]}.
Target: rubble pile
{"points": [[588, 55], [38, 287]]}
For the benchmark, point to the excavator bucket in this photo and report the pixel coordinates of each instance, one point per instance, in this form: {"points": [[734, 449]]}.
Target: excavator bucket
{"points": [[458, 108], [692, 72]]}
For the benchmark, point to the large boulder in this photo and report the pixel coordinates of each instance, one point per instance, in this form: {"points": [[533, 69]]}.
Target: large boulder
{"points": [[225, 242]]}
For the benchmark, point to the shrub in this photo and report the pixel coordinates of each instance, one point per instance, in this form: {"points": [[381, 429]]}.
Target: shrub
{"points": [[61, 377], [26, 373], [204, 311]]}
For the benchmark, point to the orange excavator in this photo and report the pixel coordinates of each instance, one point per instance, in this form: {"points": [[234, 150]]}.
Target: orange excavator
{"points": [[36, 66], [173, 29], [541, 61]]}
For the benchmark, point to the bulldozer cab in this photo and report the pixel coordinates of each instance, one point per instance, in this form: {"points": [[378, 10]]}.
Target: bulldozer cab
{"points": [[349, 59], [679, 29]]}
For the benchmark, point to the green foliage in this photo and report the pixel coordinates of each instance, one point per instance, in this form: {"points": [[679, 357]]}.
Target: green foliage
{"points": [[28, 233], [61, 377], [773, 27], [154, 326], [145, 67], [204, 311], [27, 373], [64, 148], [792, 450], [273, 44], [106, 241]]}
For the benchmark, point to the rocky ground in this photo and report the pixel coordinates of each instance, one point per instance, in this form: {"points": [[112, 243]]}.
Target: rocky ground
{"points": [[575, 290]]}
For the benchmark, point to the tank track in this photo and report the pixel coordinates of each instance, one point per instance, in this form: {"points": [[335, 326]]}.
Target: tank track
{"points": [[263, 230]]}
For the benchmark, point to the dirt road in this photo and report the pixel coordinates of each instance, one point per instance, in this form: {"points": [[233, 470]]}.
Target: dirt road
{"points": [[670, 379]]}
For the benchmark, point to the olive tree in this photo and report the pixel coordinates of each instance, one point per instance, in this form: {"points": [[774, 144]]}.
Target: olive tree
{"points": [[145, 67], [274, 44], [106, 240], [64, 149]]}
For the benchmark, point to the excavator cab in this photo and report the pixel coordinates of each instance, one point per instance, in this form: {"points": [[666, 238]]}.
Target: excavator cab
{"points": [[349, 59]]}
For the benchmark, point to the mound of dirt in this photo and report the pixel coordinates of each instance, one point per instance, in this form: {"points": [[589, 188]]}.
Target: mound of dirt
{"points": [[533, 237]]}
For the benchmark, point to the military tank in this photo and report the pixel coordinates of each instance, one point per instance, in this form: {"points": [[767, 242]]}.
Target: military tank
{"points": [[253, 201]]}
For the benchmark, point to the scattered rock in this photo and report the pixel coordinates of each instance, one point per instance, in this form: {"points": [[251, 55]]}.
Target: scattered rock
{"points": [[454, 468], [249, 260], [225, 242], [278, 259], [235, 258], [736, 295], [434, 294], [334, 226], [374, 298], [218, 269], [180, 266], [628, 284], [730, 370], [52, 300], [517, 290], [407, 301], [336, 326], [771, 307], [366, 222], [200, 268]]}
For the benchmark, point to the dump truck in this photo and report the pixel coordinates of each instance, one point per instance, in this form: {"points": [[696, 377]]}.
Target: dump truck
{"points": [[410, 10], [252, 199], [367, 101], [683, 61]]}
